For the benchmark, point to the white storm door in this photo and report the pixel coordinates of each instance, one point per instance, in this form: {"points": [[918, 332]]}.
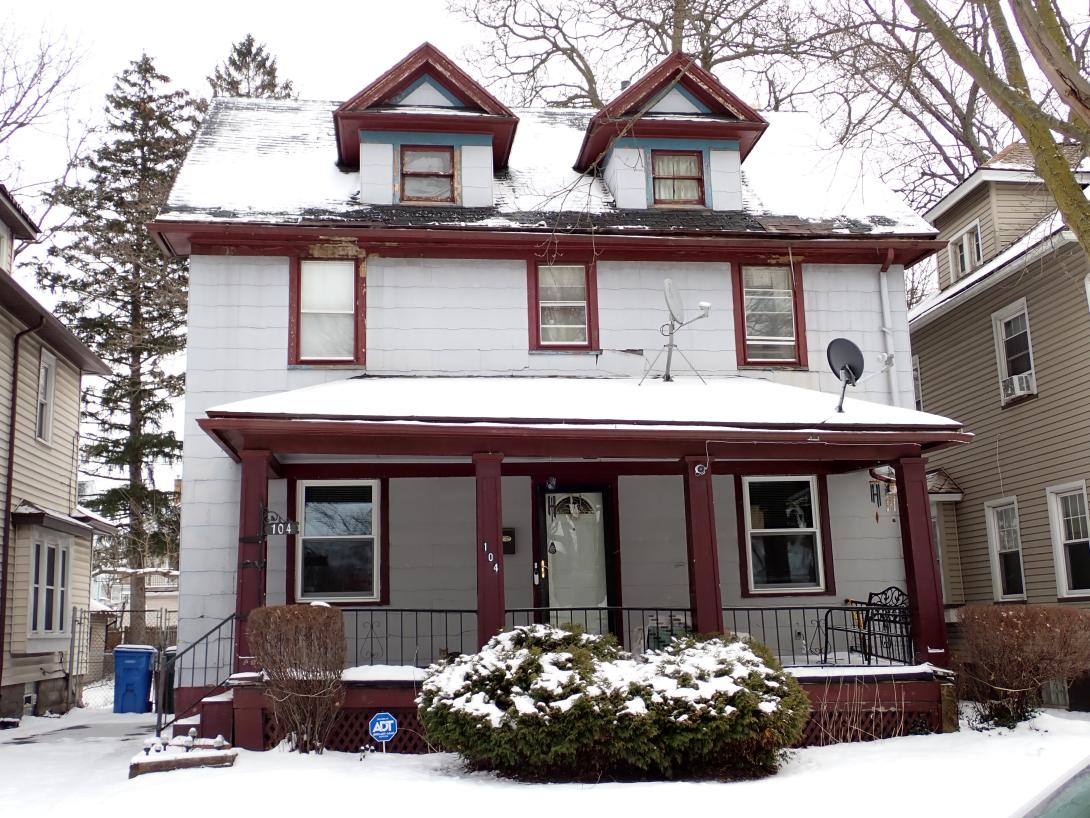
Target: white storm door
{"points": [[575, 546]]}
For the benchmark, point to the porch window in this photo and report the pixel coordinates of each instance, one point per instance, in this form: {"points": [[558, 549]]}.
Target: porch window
{"points": [[338, 552], [564, 310], [427, 174], [677, 177], [326, 321], [49, 587], [1071, 537], [769, 318], [783, 533], [1006, 545]]}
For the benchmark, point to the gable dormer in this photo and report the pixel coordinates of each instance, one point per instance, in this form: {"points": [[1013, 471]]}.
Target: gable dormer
{"points": [[425, 133], [674, 138]]}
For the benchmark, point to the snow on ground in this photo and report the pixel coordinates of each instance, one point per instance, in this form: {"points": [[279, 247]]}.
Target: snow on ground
{"points": [[77, 765]]}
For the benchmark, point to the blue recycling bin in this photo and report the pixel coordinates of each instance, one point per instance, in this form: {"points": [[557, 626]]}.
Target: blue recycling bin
{"points": [[133, 665]]}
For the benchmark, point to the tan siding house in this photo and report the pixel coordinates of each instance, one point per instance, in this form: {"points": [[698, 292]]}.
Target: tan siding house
{"points": [[45, 546], [1007, 349]]}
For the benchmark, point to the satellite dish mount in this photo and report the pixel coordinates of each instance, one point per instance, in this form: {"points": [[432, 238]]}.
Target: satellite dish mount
{"points": [[846, 361], [676, 320]]}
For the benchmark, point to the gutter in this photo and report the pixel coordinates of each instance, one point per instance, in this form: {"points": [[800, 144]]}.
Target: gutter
{"points": [[8, 485]]}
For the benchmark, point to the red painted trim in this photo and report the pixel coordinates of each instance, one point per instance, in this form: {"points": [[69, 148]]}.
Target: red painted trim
{"points": [[699, 178], [824, 525], [567, 471], [537, 543], [799, 305], [701, 550], [384, 542], [291, 542], [533, 295], [449, 151], [491, 609], [359, 341], [249, 574]]}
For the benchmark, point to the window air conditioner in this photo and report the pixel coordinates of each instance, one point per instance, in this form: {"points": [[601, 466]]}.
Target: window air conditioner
{"points": [[1018, 385]]}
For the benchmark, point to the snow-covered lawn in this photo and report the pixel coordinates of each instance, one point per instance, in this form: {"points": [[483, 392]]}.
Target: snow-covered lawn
{"points": [[77, 765]]}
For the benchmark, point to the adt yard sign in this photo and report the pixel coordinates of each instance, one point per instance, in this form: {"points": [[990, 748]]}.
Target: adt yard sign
{"points": [[382, 727]]}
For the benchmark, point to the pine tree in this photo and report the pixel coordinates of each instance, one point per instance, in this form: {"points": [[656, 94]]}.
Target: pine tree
{"points": [[127, 301], [250, 71]]}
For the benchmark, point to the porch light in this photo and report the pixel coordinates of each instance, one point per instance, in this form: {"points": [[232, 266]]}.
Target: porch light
{"points": [[550, 483]]}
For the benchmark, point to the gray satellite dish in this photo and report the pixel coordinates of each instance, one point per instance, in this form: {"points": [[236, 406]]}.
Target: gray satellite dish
{"points": [[676, 311], [673, 301], [846, 361]]}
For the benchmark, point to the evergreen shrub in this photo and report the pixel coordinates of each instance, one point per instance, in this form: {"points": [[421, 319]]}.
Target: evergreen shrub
{"points": [[545, 703]]}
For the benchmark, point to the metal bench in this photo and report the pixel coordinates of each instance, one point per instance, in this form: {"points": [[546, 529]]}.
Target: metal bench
{"points": [[878, 629]]}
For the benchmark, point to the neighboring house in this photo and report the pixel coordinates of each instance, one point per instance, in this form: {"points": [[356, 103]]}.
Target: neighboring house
{"points": [[45, 551], [1005, 347], [418, 325]]}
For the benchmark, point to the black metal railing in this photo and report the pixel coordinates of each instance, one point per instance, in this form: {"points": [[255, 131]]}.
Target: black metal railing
{"points": [[207, 663], [637, 629], [407, 636]]}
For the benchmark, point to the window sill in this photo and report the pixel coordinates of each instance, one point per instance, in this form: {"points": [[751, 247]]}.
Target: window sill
{"points": [[344, 603], [1011, 600], [1082, 596], [564, 351], [790, 367], [749, 592], [1007, 404], [319, 365]]}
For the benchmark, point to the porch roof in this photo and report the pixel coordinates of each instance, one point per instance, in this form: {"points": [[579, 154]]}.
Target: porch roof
{"points": [[684, 415]]}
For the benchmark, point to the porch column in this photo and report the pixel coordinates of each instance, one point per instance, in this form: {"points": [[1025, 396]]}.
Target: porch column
{"points": [[250, 593], [921, 562], [703, 555], [489, 546]]}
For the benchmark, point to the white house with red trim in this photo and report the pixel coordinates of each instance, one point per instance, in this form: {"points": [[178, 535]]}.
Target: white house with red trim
{"points": [[420, 325]]}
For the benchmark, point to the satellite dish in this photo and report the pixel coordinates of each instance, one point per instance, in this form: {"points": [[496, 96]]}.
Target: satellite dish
{"points": [[673, 301], [846, 361]]}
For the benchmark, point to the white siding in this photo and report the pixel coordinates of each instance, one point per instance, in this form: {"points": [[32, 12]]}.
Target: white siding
{"points": [[626, 177], [476, 173], [725, 180], [427, 94], [674, 102], [376, 173]]}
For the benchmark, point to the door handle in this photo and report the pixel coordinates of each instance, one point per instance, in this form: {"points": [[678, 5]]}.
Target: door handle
{"points": [[543, 567]]}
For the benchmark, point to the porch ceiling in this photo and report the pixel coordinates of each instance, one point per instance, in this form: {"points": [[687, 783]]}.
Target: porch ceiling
{"points": [[733, 417]]}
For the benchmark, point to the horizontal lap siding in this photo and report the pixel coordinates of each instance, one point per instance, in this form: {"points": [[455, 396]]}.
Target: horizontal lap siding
{"points": [[1021, 449], [977, 205], [1018, 206]]}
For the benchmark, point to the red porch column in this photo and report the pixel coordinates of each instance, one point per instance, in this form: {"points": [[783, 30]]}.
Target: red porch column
{"points": [[489, 546], [704, 594], [921, 562], [250, 593]]}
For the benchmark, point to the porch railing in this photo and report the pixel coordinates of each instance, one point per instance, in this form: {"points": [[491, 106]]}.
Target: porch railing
{"points": [[637, 629], [407, 636]]}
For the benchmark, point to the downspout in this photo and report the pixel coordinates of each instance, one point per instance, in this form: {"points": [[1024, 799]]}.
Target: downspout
{"points": [[887, 330], [8, 486]]}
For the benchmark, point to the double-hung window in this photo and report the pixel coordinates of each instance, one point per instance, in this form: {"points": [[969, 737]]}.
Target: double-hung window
{"points": [[917, 384], [43, 415], [769, 324], [328, 301], [677, 177], [1005, 540], [965, 252], [49, 586], [783, 534], [1014, 351], [564, 315], [427, 174], [338, 546], [1067, 511]]}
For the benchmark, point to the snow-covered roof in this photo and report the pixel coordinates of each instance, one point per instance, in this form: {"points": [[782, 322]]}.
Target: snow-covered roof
{"points": [[687, 403], [274, 162], [48, 518]]}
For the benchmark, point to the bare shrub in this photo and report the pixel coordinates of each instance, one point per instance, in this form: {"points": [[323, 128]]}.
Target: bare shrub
{"points": [[301, 650], [1008, 653]]}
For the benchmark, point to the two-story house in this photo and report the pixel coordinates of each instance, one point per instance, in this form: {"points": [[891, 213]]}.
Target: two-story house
{"points": [[45, 538], [1005, 346], [419, 327]]}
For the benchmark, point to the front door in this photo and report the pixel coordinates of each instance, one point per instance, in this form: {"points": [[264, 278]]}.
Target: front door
{"points": [[574, 559]]}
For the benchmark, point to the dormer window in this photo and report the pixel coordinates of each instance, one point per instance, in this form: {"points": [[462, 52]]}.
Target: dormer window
{"points": [[427, 174], [965, 252], [677, 177]]}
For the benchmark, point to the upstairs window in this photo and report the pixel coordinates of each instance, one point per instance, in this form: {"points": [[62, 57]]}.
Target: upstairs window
{"points": [[917, 385], [768, 322], [427, 174], [326, 315], [1014, 351], [43, 416], [563, 307], [965, 252], [1006, 543], [677, 177], [1070, 525]]}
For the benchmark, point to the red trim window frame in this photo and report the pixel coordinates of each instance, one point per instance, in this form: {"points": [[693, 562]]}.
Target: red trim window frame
{"points": [[449, 151], [533, 278], [824, 531], [359, 340], [698, 178], [799, 360]]}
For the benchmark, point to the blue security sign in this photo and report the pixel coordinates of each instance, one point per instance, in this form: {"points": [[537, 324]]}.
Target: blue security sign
{"points": [[382, 727]]}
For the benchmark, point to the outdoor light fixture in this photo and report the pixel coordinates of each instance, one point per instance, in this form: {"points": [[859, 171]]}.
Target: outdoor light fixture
{"points": [[550, 483]]}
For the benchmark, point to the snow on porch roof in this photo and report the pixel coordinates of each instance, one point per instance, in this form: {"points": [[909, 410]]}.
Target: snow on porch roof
{"points": [[744, 402]]}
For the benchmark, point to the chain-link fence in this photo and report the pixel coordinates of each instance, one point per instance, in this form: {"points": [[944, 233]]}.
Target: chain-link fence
{"points": [[95, 634]]}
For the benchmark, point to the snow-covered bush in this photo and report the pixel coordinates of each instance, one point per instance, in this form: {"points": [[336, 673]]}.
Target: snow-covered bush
{"points": [[546, 703]]}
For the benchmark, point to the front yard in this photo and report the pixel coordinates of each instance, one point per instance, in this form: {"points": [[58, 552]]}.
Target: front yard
{"points": [[77, 765]]}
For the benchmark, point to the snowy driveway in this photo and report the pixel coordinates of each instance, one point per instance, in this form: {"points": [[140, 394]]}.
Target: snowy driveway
{"points": [[78, 765]]}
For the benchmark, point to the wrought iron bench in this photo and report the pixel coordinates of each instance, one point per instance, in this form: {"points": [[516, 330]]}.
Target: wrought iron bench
{"points": [[879, 628]]}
